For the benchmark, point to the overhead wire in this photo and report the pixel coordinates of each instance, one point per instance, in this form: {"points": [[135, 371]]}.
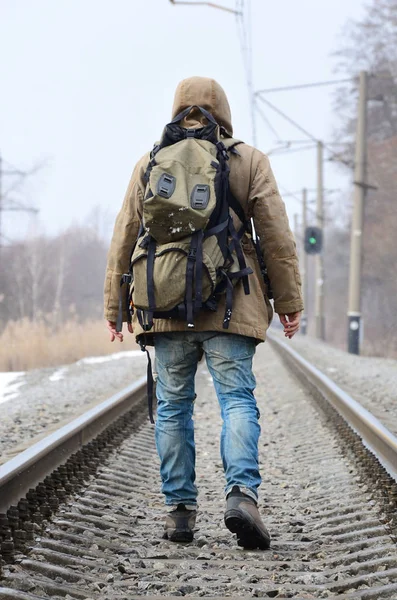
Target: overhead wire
{"points": [[286, 150], [304, 85], [243, 22], [267, 122], [304, 131]]}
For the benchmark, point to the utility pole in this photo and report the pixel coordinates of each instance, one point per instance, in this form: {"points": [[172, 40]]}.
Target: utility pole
{"points": [[296, 228], [304, 270], [360, 190], [319, 295], [1, 199]]}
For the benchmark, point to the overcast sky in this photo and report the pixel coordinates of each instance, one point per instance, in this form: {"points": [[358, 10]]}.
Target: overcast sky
{"points": [[87, 86]]}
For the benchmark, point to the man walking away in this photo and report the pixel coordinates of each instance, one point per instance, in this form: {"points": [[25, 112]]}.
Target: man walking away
{"points": [[200, 277]]}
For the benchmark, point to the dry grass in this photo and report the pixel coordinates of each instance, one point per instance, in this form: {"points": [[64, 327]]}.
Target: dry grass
{"points": [[29, 345]]}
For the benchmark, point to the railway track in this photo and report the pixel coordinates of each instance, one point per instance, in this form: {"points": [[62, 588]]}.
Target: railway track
{"points": [[93, 529]]}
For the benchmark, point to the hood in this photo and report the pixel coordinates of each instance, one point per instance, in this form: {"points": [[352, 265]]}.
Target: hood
{"points": [[206, 93]]}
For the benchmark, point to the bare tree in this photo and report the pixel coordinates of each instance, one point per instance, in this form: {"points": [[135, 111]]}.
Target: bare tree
{"points": [[44, 276], [371, 44]]}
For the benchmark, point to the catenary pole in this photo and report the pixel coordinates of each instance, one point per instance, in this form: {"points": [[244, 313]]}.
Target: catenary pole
{"points": [[1, 201], [303, 269], [296, 229], [319, 260], [360, 190]]}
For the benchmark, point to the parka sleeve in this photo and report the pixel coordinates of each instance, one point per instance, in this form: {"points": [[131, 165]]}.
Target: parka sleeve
{"points": [[125, 233], [277, 241]]}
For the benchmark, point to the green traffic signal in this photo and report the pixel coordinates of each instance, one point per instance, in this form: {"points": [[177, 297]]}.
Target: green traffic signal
{"points": [[313, 240]]}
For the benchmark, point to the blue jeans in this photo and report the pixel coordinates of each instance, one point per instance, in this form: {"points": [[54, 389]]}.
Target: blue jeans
{"points": [[229, 360]]}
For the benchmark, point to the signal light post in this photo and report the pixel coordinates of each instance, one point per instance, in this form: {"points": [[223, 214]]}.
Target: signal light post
{"points": [[319, 305], [304, 270], [360, 189]]}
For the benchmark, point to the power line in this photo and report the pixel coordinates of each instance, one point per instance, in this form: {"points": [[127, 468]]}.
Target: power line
{"points": [[304, 85], [287, 150], [287, 118], [266, 120], [302, 130], [211, 4], [243, 21]]}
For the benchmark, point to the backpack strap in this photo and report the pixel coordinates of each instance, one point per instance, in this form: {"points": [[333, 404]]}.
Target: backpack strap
{"points": [[199, 271], [151, 254], [231, 143], [150, 379], [238, 209], [261, 260], [126, 278], [236, 245], [194, 275], [186, 111]]}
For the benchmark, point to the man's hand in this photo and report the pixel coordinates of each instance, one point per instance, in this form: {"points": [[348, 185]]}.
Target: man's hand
{"points": [[111, 325], [291, 323]]}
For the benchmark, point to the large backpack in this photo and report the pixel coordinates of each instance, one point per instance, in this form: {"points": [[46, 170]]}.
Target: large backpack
{"points": [[188, 251]]}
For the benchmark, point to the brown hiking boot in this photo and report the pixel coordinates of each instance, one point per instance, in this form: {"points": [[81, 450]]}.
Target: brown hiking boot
{"points": [[242, 518], [179, 524]]}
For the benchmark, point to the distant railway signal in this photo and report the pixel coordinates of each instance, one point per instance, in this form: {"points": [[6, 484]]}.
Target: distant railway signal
{"points": [[313, 240]]}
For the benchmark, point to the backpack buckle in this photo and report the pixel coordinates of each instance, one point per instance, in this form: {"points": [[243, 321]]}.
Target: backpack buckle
{"points": [[166, 185], [222, 149], [200, 197], [126, 278], [192, 254]]}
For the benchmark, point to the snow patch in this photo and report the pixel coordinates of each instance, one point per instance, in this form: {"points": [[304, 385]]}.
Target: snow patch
{"points": [[93, 360], [8, 386], [58, 374]]}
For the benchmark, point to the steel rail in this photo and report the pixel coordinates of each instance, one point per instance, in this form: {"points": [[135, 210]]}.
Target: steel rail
{"points": [[375, 436], [29, 468]]}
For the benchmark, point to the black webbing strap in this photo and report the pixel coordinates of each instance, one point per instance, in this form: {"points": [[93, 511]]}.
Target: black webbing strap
{"points": [[151, 255], [119, 322], [240, 274], [145, 319], [190, 268], [125, 279], [237, 208], [149, 168], [127, 304], [261, 259], [199, 271], [217, 229], [150, 381], [240, 255], [144, 243], [229, 302], [185, 113]]}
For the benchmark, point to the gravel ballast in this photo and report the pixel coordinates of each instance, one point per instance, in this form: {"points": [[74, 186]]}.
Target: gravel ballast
{"points": [[44, 399], [370, 381], [330, 538], [48, 398]]}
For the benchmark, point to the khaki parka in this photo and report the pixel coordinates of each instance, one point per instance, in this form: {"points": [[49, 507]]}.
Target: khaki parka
{"points": [[252, 183]]}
